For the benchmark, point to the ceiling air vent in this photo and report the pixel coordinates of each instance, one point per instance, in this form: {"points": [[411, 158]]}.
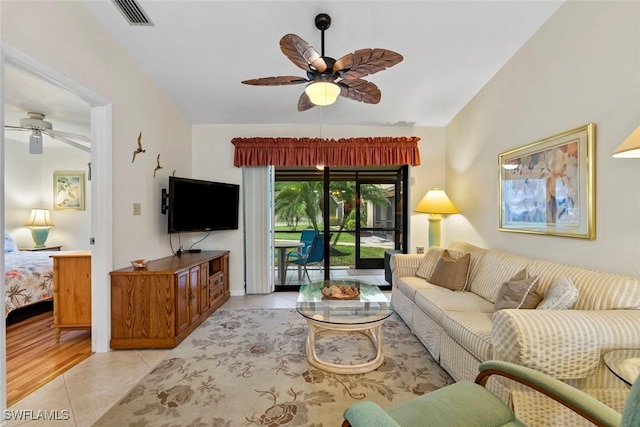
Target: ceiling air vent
{"points": [[133, 12]]}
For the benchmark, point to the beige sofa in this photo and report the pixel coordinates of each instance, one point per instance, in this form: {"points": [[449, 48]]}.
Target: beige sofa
{"points": [[461, 330]]}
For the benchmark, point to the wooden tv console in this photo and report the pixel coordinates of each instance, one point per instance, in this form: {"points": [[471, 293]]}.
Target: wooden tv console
{"points": [[159, 306]]}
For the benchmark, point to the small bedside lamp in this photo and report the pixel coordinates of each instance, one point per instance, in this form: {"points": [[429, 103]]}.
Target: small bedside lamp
{"points": [[39, 222], [435, 203]]}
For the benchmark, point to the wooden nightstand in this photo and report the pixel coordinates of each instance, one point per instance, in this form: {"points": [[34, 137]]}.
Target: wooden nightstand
{"points": [[46, 248], [71, 291]]}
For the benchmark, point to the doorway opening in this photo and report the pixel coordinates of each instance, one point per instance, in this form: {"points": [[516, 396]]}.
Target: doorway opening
{"points": [[101, 215], [357, 213]]}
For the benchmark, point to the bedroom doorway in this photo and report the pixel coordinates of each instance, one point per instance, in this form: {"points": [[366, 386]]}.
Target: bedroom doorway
{"points": [[101, 172]]}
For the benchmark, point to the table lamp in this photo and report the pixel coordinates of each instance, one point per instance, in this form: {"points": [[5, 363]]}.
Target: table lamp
{"points": [[435, 203], [630, 147], [39, 222]]}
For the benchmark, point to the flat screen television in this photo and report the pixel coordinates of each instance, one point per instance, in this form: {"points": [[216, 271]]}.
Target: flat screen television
{"points": [[197, 205]]}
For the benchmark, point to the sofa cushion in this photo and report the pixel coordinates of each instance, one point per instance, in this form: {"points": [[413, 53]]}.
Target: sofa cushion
{"points": [[476, 256], [560, 296], [430, 259], [471, 330], [408, 285], [597, 291], [496, 268], [436, 301], [451, 273], [518, 292]]}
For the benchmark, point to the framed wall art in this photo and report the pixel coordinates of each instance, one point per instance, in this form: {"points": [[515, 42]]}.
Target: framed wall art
{"points": [[68, 191], [548, 186]]}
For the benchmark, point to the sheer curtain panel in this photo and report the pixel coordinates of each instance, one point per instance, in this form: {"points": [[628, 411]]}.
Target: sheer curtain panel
{"points": [[258, 229]]}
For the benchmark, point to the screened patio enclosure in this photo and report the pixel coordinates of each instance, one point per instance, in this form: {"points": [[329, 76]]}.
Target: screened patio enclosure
{"points": [[360, 214]]}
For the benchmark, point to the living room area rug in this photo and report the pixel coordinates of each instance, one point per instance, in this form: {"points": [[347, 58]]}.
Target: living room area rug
{"points": [[248, 367]]}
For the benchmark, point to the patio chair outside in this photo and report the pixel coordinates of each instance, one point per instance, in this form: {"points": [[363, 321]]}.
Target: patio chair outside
{"points": [[306, 237], [314, 255]]}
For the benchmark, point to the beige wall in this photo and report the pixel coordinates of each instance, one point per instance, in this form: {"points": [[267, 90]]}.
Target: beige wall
{"points": [[76, 45], [29, 184], [582, 66]]}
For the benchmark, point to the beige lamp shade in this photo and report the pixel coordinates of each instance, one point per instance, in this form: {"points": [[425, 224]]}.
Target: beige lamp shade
{"points": [[630, 147], [436, 202], [39, 218], [39, 222]]}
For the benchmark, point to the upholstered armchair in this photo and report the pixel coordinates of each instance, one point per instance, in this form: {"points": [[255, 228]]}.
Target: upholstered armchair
{"points": [[470, 404]]}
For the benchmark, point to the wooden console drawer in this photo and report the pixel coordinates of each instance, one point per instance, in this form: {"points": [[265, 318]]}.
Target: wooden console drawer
{"points": [[216, 287]]}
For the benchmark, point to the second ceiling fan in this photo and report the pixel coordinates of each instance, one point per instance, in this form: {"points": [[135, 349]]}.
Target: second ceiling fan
{"points": [[328, 78], [38, 126]]}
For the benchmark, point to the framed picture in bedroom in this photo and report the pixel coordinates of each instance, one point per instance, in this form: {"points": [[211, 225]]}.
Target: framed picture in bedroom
{"points": [[548, 186], [68, 191]]}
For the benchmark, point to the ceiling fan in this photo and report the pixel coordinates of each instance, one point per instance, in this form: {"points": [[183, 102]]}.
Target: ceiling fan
{"points": [[326, 77], [36, 124]]}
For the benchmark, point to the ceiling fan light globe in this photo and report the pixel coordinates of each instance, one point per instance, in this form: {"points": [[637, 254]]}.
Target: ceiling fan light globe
{"points": [[322, 93]]}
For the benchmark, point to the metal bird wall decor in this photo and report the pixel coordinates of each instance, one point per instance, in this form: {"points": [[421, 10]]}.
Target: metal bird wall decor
{"points": [[158, 167], [139, 149]]}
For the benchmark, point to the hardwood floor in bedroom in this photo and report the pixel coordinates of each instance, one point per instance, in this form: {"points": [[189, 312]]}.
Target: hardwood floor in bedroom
{"points": [[35, 358]]}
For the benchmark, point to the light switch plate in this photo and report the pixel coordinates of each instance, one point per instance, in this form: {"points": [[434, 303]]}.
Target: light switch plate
{"points": [[137, 209]]}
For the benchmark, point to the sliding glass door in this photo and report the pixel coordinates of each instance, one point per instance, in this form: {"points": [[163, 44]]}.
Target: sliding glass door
{"points": [[359, 213], [378, 218]]}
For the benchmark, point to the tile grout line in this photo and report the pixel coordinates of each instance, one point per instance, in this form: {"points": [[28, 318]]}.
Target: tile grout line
{"points": [[66, 390]]}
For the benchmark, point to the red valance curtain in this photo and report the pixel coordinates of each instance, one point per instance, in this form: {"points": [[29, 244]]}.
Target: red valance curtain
{"points": [[376, 151]]}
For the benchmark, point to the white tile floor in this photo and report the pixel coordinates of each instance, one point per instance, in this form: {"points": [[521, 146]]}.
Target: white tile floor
{"points": [[81, 395], [371, 276]]}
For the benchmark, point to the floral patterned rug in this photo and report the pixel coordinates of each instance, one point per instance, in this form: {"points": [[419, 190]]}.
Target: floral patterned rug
{"points": [[247, 367]]}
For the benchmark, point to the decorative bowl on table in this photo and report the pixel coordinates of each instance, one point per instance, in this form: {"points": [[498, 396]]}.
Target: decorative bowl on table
{"points": [[340, 292], [140, 264]]}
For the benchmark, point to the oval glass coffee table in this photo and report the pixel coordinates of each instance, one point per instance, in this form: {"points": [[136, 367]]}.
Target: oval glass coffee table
{"points": [[364, 314]]}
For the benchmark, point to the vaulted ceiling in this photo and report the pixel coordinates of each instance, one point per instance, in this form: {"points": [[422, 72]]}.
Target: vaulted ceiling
{"points": [[198, 52]]}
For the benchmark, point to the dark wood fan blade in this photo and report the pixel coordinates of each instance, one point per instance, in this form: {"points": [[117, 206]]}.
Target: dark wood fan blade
{"points": [[364, 62], [304, 103], [276, 81], [301, 53], [360, 90]]}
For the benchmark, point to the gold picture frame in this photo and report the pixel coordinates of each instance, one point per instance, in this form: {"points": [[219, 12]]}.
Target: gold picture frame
{"points": [[548, 186], [68, 191]]}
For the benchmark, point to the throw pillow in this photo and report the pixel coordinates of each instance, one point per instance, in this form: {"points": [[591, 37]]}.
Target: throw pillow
{"points": [[451, 273], [561, 295], [518, 292], [428, 263], [9, 244]]}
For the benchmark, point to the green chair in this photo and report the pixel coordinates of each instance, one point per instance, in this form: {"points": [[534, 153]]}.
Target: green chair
{"points": [[306, 237], [467, 404], [315, 255]]}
